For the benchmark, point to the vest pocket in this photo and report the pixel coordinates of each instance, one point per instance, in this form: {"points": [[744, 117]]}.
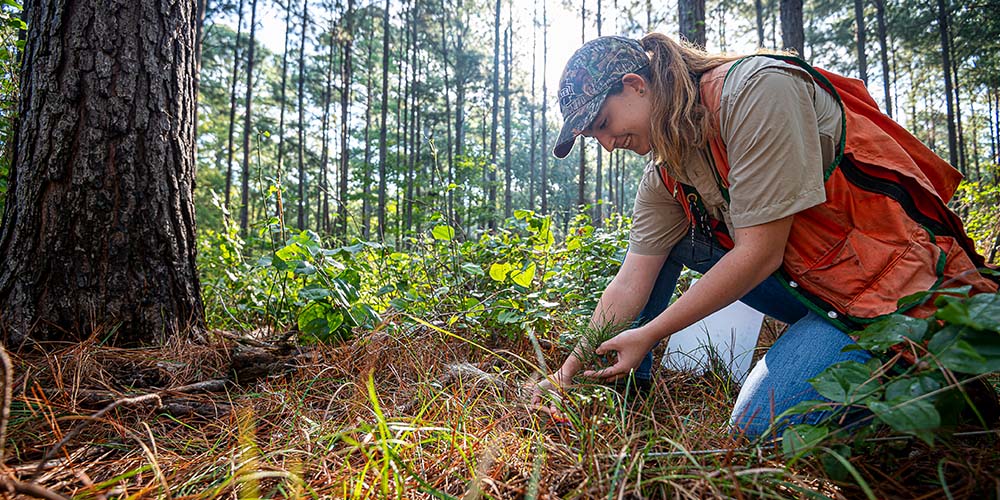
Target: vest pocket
{"points": [[865, 276]]}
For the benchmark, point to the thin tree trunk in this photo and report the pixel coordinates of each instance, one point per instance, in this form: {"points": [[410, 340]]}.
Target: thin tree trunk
{"points": [[232, 104], [581, 194], [382, 143], [345, 98], [758, 6], [598, 215], [284, 87], [859, 19], [544, 186], [962, 159], [366, 167], [323, 198], [532, 107], [303, 218], [450, 196], [691, 18], [98, 237], [792, 34], [946, 69], [506, 114], [883, 53], [989, 123], [492, 201], [248, 123]]}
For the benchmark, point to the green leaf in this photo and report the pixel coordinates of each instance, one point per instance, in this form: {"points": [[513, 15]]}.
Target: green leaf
{"points": [[805, 407], [912, 416], [846, 382], [500, 270], [508, 317], [443, 232], [318, 321], [312, 292], [522, 214], [524, 276], [800, 440], [980, 311], [921, 297], [966, 350], [883, 334], [911, 387], [473, 269]]}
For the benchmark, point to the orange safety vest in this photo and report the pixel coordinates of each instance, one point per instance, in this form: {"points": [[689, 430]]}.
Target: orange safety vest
{"points": [[885, 230]]}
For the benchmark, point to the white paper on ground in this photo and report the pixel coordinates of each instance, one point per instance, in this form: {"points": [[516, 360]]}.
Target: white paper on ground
{"points": [[731, 333]]}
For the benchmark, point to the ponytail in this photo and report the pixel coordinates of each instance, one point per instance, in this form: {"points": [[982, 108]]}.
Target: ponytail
{"points": [[680, 122]]}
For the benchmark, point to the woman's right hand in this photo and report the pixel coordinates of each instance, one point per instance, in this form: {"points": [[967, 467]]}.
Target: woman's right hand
{"points": [[547, 392]]}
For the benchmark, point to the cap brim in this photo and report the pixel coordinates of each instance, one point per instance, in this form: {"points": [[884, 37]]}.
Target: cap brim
{"points": [[575, 124]]}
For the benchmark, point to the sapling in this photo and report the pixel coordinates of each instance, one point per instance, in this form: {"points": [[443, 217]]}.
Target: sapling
{"points": [[589, 337]]}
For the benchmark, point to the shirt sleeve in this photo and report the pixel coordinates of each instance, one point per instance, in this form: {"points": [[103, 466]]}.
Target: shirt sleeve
{"points": [[772, 138], [658, 221]]}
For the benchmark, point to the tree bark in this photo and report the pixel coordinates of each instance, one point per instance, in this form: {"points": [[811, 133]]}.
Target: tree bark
{"points": [[98, 236], [248, 124], [946, 69], [792, 35], [883, 53], [691, 18], [859, 19]]}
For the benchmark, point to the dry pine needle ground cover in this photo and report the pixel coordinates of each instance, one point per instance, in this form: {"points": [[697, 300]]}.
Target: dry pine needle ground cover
{"points": [[420, 414]]}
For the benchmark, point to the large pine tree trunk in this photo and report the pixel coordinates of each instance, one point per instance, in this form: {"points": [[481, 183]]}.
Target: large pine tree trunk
{"points": [[792, 35], [98, 234], [691, 18]]}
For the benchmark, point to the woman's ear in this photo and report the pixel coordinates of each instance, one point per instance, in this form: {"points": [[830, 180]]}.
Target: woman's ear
{"points": [[636, 82]]}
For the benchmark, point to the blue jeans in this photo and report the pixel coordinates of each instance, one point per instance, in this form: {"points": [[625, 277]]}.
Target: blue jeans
{"points": [[779, 380]]}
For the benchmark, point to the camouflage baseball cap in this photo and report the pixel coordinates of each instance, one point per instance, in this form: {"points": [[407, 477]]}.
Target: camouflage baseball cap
{"points": [[585, 82]]}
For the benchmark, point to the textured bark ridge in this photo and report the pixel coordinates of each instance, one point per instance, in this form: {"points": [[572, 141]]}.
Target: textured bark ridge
{"points": [[99, 231]]}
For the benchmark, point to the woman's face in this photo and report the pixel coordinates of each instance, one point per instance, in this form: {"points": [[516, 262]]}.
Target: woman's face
{"points": [[624, 119]]}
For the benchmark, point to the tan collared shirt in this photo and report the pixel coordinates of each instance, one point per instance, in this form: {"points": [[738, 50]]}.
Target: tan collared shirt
{"points": [[780, 130]]}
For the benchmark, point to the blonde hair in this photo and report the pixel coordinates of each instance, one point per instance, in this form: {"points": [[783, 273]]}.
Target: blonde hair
{"points": [[680, 122]]}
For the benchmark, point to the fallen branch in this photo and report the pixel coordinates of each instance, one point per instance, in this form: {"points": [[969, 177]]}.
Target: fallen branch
{"points": [[208, 385], [31, 489]]}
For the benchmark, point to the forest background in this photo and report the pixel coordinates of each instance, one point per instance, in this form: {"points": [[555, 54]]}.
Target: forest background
{"points": [[379, 218]]}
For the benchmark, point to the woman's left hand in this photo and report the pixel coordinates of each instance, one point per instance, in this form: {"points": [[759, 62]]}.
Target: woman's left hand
{"points": [[630, 346]]}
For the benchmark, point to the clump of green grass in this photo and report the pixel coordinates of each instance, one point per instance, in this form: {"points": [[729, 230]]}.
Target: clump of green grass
{"points": [[585, 339]]}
